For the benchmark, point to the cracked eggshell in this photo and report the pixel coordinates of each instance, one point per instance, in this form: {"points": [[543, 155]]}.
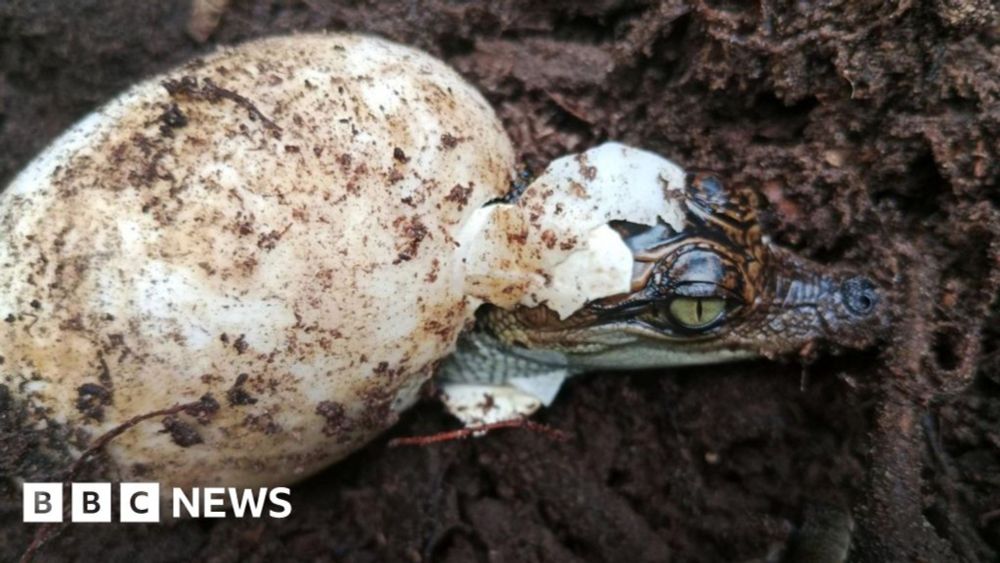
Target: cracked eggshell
{"points": [[554, 246], [273, 225]]}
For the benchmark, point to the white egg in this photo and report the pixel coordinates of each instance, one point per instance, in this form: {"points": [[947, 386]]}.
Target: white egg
{"points": [[294, 232], [274, 225]]}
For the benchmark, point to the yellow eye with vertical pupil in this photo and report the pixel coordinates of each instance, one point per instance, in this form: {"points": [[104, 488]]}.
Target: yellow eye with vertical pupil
{"points": [[697, 312]]}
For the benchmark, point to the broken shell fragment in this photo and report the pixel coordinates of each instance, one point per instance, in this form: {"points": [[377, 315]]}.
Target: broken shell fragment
{"points": [[554, 245]]}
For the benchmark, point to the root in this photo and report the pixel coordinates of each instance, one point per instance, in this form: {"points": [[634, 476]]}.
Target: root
{"points": [[470, 431], [188, 87], [198, 409]]}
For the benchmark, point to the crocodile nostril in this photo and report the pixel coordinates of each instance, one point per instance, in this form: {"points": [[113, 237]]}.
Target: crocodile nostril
{"points": [[860, 295]]}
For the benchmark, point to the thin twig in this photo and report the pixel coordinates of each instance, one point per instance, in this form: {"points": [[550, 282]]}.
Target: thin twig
{"points": [[42, 534], [469, 431]]}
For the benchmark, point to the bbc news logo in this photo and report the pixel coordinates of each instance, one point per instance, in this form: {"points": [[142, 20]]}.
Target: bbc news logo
{"points": [[140, 502]]}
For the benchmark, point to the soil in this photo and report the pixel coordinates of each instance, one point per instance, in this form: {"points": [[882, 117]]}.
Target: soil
{"points": [[870, 128]]}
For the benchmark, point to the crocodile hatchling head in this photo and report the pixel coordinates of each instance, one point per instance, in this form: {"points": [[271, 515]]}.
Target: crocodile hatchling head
{"points": [[715, 290]]}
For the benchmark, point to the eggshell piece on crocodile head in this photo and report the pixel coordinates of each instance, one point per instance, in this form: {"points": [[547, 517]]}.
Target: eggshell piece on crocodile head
{"points": [[554, 245], [274, 226]]}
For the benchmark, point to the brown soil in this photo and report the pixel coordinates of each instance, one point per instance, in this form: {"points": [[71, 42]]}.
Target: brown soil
{"points": [[871, 128]]}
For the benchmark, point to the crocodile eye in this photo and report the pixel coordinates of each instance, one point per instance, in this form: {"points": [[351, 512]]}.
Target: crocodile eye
{"points": [[697, 312]]}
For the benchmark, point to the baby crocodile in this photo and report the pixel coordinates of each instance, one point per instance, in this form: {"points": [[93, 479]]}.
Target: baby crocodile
{"points": [[716, 291]]}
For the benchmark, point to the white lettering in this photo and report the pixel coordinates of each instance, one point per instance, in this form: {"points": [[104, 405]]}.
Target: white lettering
{"points": [[276, 499], [215, 497], [190, 504], [247, 498]]}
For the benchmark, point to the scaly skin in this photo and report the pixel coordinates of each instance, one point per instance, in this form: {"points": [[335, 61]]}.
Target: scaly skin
{"points": [[774, 303]]}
